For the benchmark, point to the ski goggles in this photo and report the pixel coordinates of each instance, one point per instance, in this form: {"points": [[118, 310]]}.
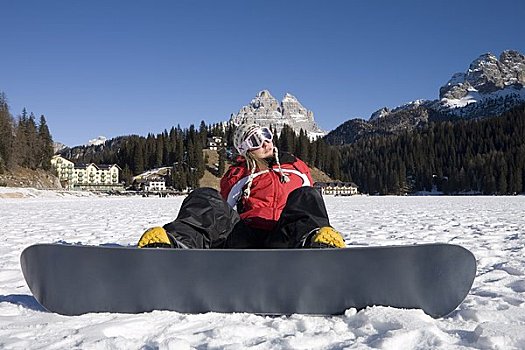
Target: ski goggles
{"points": [[256, 139]]}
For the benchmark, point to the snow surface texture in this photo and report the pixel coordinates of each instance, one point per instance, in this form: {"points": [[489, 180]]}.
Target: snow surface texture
{"points": [[492, 316]]}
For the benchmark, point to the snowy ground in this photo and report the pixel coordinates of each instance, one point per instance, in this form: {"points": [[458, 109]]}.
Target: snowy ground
{"points": [[492, 316]]}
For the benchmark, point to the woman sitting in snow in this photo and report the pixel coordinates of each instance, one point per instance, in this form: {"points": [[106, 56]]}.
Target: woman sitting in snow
{"points": [[266, 201]]}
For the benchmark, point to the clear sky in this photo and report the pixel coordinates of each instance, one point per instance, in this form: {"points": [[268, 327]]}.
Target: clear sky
{"points": [[108, 67]]}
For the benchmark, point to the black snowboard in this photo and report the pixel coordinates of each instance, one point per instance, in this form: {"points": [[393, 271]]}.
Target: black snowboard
{"points": [[75, 279]]}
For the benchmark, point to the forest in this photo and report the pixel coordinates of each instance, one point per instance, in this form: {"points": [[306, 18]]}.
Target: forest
{"points": [[182, 149], [24, 142], [477, 156]]}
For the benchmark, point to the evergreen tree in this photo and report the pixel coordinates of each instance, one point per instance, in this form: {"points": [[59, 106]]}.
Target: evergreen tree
{"points": [[203, 133], [484, 156], [222, 161], [303, 144], [6, 135], [287, 139], [159, 151], [21, 143], [127, 175], [45, 142], [200, 164], [32, 142], [138, 157], [179, 147]]}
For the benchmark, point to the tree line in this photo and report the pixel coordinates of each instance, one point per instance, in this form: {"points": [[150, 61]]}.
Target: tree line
{"points": [[180, 149], [484, 156], [23, 141], [471, 156]]}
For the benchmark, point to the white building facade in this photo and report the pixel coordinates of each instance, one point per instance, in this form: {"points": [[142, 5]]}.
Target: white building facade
{"points": [[86, 176], [155, 186], [337, 188]]}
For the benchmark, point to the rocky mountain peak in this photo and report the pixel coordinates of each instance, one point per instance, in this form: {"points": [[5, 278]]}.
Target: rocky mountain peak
{"points": [[484, 74], [264, 100], [265, 110], [487, 74], [513, 67], [289, 97], [380, 113]]}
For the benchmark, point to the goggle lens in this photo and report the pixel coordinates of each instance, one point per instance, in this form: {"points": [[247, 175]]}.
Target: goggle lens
{"points": [[256, 139]]}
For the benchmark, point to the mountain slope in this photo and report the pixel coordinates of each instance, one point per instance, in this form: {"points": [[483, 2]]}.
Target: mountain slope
{"points": [[489, 87]]}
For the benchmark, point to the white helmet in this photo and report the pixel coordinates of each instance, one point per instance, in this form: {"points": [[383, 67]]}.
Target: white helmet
{"points": [[250, 136]]}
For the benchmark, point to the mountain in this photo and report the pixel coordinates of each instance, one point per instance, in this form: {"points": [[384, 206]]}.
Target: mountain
{"points": [[97, 141], [382, 122], [266, 110], [58, 146], [92, 149], [489, 87]]}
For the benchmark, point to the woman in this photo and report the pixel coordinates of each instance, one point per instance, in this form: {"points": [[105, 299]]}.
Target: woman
{"points": [[266, 201]]}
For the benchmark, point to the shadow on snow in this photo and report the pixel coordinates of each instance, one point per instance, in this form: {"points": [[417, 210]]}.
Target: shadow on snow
{"points": [[26, 301]]}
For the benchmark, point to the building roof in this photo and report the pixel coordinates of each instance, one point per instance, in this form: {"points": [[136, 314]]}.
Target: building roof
{"points": [[86, 165], [106, 166], [335, 184], [82, 165]]}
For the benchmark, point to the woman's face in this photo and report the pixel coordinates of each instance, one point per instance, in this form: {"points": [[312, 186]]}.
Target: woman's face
{"points": [[265, 151]]}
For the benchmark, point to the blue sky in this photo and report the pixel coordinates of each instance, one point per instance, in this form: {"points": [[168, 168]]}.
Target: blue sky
{"points": [[131, 67]]}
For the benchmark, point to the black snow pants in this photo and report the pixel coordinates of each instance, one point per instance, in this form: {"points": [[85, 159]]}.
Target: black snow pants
{"points": [[205, 220]]}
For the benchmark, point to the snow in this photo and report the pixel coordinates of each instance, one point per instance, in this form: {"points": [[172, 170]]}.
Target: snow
{"points": [[492, 316], [289, 98], [298, 117], [97, 141], [25, 192], [474, 96]]}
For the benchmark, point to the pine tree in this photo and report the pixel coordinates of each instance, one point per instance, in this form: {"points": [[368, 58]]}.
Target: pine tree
{"points": [[6, 135], [287, 139], [159, 151], [222, 161], [200, 164], [45, 142], [138, 158], [20, 148], [303, 144], [179, 147], [32, 143], [203, 133], [127, 175]]}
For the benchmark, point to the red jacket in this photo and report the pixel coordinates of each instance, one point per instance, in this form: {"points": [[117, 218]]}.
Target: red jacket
{"points": [[268, 193]]}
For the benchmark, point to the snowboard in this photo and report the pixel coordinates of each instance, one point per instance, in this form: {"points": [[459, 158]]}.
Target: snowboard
{"points": [[77, 279]]}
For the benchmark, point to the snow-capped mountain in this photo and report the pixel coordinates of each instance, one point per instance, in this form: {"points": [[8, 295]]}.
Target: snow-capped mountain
{"points": [[97, 141], [266, 110], [489, 87], [58, 146]]}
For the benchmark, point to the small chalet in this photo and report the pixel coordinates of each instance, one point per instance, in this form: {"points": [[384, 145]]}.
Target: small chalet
{"points": [[215, 143], [153, 180], [149, 185], [337, 188]]}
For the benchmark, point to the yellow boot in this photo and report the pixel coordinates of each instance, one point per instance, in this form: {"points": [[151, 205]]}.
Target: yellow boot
{"points": [[155, 237], [327, 237]]}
